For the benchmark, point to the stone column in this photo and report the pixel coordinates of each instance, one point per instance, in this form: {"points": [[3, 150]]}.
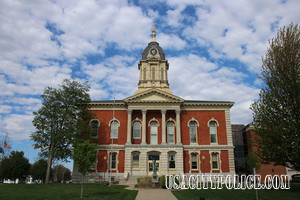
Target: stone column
{"points": [[163, 126], [144, 127], [129, 127], [178, 130]]}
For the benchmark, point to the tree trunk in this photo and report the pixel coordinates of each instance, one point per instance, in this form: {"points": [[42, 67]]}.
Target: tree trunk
{"points": [[48, 169], [81, 186]]}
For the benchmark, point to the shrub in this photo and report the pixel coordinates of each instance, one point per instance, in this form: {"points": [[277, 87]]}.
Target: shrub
{"points": [[144, 182]]}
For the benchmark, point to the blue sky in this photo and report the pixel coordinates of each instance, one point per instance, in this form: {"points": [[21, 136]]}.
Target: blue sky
{"points": [[214, 49]]}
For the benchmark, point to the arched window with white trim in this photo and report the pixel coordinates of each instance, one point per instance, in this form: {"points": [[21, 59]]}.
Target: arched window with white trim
{"points": [[137, 130], [213, 131], [94, 124], [153, 132], [171, 132], [193, 132], [114, 129]]}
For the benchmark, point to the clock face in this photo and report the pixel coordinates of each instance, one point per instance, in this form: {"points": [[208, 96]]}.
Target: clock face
{"points": [[153, 51]]}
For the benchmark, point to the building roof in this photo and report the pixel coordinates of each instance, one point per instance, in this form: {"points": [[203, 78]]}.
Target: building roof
{"points": [[155, 45]]}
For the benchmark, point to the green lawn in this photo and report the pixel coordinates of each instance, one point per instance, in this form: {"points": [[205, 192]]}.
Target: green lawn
{"points": [[64, 192], [214, 194]]}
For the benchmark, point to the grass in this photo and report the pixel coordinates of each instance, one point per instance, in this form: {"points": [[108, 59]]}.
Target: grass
{"points": [[223, 194], [64, 192]]}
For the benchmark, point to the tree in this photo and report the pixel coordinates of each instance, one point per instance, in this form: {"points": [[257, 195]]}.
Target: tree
{"points": [[61, 173], [277, 111], [252, 161], [61, 121], [14, 167], [84, 158], [38, 169]]}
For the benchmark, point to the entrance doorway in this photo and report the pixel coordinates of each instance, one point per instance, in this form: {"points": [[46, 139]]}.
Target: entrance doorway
{"points": [[153, 156]]}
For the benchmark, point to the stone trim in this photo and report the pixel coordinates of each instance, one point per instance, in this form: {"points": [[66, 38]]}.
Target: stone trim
{"points": [[114, 119], [193, 119], [153, 120]]}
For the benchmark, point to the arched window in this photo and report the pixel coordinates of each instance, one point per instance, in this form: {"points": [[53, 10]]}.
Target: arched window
{"points": [[94, 128], [171, 130], [113, 160], [215, 160], [193, 131], [114, 129], [153, 132], [171, 159], [137, 130], [135, 159], [213, 131], [194, 159]]}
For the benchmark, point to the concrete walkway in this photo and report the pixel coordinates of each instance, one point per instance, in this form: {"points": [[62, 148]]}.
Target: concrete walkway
{"points": [[156, 194], [150, 194]]}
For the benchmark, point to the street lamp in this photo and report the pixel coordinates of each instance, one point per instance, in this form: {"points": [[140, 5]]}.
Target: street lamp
{"points": [[105, 166], [203, 158]]}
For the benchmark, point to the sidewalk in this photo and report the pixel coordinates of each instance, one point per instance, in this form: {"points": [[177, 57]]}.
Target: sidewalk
{"points": [[156, 194], [150, 194]]}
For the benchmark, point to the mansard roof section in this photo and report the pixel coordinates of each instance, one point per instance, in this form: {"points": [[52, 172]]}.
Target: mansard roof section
{"points": [[153, 95]]}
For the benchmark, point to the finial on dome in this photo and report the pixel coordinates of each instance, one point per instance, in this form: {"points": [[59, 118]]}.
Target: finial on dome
{"points": [[153, 32]]}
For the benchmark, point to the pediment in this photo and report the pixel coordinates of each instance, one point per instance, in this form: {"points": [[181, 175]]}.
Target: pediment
{"points": [[154, 95]]}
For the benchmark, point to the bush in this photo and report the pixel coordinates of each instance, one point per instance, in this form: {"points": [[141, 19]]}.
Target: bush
{"points": [[144, 182]]}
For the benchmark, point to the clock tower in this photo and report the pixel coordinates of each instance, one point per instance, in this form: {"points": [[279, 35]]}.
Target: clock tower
{"points": [[153, 68]]}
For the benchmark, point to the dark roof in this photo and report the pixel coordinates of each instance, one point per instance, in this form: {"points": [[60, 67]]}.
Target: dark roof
{"points": [[150, 46], [107, 101], [200, 101]]}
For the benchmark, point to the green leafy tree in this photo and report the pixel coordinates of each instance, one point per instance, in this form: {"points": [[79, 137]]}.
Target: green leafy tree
{"points": [[16, 166], [84, 156], [61, 173], [252, 161], [62, 119], [38, 170], [277, 111]]}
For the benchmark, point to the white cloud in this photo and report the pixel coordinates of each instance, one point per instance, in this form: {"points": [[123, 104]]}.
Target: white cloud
{"points": [[195, 78], [17, 126], [170, 41]]}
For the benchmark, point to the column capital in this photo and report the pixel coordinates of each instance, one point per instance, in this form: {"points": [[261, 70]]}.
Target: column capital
{"points": [[177, 111], [163, 111], [144, 111], [129, 111]]}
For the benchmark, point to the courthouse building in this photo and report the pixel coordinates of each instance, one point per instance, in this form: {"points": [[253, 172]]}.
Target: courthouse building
{"points": [[183, 136]]}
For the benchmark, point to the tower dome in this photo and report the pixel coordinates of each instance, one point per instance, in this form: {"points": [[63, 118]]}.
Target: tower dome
{"points": [[153, 67]]}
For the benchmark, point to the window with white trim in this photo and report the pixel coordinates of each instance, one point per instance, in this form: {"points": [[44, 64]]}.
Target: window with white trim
{"points": [[137, 130], [193, 132], [215, 160], [171, 159], [113, 160], [171, 132], [153, 132], [114, 129], [194, 160], [94, 128], [213, 131], [135, 159]]}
